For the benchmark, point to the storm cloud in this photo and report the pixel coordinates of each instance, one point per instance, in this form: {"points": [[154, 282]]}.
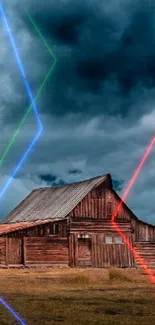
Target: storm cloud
{"points": [[98, 105]]}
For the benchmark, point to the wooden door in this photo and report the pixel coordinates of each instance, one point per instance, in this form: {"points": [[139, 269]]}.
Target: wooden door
{"points": [[84, 252], [15, 251]]}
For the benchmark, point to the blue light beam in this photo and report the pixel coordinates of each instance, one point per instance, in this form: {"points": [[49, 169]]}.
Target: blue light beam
{"points": [[32, 100], [12, 311], [20, 65], [19, 165]]}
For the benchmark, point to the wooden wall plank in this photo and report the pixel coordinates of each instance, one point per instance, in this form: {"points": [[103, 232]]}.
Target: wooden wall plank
{"points": [[46, 250]]}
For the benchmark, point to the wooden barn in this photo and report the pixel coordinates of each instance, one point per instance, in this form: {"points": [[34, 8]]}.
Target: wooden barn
{"points": [[70, 225]]}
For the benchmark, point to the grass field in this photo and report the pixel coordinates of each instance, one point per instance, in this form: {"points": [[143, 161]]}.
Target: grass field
{"points": [[77, 296]]}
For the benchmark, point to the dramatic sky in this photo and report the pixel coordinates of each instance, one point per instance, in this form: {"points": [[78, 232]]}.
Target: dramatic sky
{"points": [[98, 106]]}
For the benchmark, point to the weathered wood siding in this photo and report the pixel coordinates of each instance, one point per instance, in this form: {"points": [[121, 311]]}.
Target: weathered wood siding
{"points": [[144, 243], [97, 226], [91, 217], [41, 230], [46, 250], [96, 252], [35, 245], [95, 205], [14, 251], [33, 250], [81, 238], [146, 251], [143, 232], [84, 256], [111, 255], [2, 250]]}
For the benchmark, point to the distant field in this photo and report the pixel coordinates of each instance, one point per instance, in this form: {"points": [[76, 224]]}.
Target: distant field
{"points": [[78, 297]]}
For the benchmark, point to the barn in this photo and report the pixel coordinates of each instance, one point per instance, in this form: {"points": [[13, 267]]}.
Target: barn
{"points": [[70, 225]]}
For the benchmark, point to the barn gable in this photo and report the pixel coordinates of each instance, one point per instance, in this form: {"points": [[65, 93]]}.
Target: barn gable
{"points": [[100, 203], [53, 202], [71, 225]]}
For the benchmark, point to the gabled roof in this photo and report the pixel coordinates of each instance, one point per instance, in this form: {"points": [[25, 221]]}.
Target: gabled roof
{"points": [[53, 202]]}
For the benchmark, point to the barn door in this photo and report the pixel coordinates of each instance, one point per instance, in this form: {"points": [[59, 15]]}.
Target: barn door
{"points": [[15, 251], [84, 252]]}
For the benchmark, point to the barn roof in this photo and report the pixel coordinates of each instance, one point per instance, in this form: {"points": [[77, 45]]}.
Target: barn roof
{"points": [[9, 227], [52, 202]]}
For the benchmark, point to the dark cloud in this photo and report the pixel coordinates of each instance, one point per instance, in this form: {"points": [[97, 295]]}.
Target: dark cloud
{"points": [[117, 185], [75, 171], [51, 180], [96, 49], [105, 57], [131, 61], [66, 30], [48, 178], [97, 107], [94, 71]]}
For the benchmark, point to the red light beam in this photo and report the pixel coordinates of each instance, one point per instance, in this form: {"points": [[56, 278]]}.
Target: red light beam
{"points": [[133, 179]]}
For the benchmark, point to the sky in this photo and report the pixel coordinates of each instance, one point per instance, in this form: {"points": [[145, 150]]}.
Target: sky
{"points": [[98, 105]]}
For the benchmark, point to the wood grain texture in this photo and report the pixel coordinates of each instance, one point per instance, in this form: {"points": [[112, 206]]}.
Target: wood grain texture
{"points": [[46, 250], [81, 236]]}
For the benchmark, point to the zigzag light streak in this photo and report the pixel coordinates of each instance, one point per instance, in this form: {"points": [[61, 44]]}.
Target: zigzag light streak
{"points": [[38, 93], [32, 101], [33, 142], [13, 313], [133, 179]]}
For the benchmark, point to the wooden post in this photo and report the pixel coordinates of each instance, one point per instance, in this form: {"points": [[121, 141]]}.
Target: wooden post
{"points": [[75, 249], [70, 249], [24, 251], [6, 250]]}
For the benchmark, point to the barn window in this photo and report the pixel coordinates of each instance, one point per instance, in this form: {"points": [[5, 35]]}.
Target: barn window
{"points": [[54, 229], [108, 239], [109, 208], [118, 240]]}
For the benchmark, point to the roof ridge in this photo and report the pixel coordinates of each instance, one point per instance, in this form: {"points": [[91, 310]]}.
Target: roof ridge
{"points": [[77, 182], [58, 201]]}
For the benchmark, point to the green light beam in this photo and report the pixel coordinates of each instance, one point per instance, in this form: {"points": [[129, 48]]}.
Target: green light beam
{"points": [[44, 41], [38, 93]]}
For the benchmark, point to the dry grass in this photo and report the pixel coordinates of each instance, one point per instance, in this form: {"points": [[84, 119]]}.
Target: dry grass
{"points": [[81, 296], [77, 279], [117, 275]]}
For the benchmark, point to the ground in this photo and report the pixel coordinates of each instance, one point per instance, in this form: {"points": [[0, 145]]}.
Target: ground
{"points": [[77, 296]]}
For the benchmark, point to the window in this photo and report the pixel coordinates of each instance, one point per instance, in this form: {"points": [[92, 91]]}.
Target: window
{"points": [[108, 239], [109, 208], [118, 240], [54, 229]]}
